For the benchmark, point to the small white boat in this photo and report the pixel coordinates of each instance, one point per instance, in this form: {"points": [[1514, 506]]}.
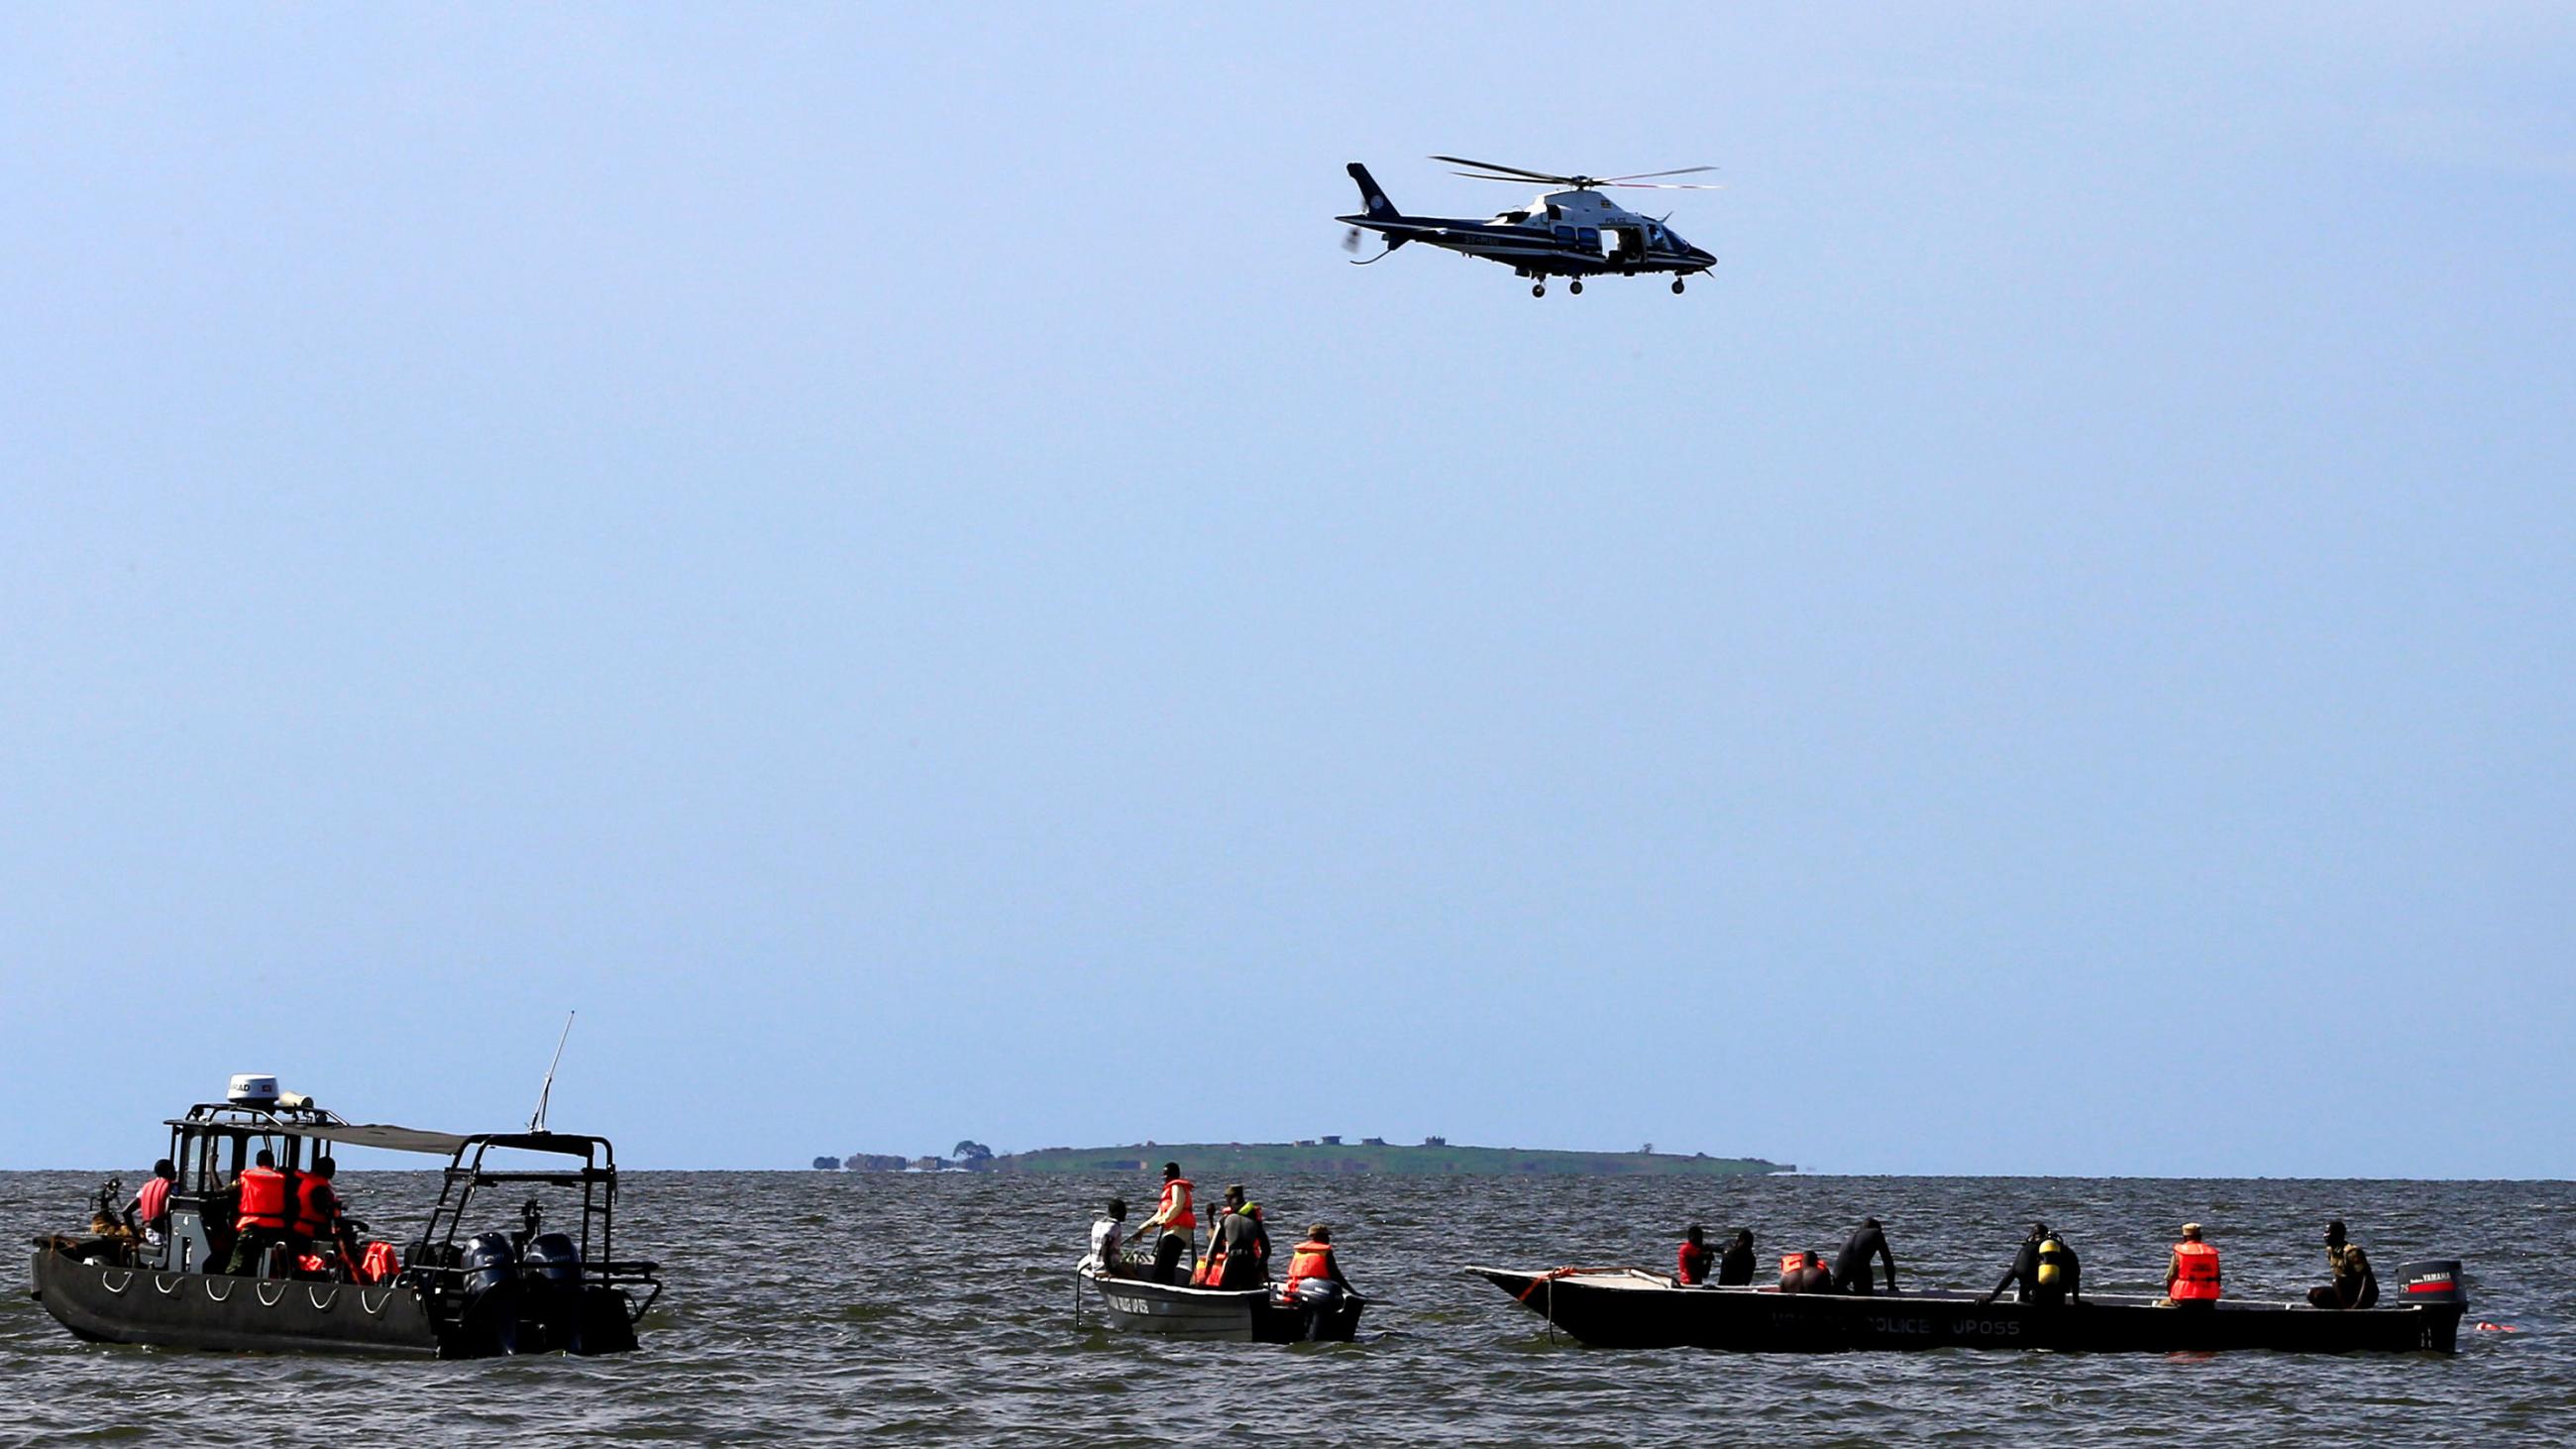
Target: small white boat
{"points": [[1242, 1315]]}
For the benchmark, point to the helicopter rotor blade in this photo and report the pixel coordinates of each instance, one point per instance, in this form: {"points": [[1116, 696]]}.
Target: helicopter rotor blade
{"points": [[1662, 185], [1646, 175], [1517, 171], [1514, 180]]}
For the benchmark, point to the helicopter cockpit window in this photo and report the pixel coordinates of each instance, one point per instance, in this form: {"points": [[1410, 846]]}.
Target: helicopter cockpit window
{"points": [[1555, 212], [1674, 240], [1515, 218]]}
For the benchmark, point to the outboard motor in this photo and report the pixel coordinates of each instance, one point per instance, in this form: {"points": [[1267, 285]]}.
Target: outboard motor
{"points": [[491, 1288], [2435, 1280], [553, 1283]]}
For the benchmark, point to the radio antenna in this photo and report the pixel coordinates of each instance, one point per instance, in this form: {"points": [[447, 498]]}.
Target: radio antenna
{"points": [[537, 1123]]}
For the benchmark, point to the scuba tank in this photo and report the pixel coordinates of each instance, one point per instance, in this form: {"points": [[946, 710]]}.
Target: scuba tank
{"points": [[2052, 1263]]}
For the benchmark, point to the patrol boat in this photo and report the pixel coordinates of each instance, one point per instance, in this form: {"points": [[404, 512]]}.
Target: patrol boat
{"points": [[1634, 1308], [448, 1294]]}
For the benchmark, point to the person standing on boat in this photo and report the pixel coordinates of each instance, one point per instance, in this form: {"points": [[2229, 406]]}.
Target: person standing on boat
{"points": [[1851, 1267], [1735, 1268], [1238, 1246], [1696, 1258], [1104, 1239], [2191, 1276], [2045, 1268], [1178, 1223], [2354, 1285]]}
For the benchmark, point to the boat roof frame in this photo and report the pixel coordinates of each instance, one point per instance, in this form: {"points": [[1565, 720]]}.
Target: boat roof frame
{"points": [[238, 1119]]}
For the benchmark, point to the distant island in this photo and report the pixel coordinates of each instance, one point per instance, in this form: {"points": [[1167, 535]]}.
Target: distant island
{"points": [[1208, 1161]]}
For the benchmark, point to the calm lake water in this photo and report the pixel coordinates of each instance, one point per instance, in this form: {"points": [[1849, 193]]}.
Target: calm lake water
{"points": [[940, 1310]]}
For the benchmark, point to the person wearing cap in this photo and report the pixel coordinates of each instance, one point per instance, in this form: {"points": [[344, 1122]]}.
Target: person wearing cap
{"points": [[2191, 1275], [1239, 1244], [1177, 1222], [2354, 1285]]}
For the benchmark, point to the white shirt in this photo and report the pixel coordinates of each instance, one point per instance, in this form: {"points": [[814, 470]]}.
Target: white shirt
{"points": [[1104, 1245]]}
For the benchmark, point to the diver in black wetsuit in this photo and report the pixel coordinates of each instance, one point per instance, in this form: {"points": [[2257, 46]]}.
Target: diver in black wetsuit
{"points": [[1851, 1266], [1735, 1265], [2046, 1270]]}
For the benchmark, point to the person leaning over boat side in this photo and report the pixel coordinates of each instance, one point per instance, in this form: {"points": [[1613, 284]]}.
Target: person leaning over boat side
{"points": [[2045, 1268], [1177, 1222], [267, 1214], [2354, 1285], [2191, 1276], [1851, 1268], [149, 1213], [1696, 1258], [1735, 1269], [1315, 1279]]}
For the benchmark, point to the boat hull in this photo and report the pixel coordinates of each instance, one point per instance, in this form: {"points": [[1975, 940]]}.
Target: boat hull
{"points": [[1634, 1309], [214, 1311], [1134, 1305]]}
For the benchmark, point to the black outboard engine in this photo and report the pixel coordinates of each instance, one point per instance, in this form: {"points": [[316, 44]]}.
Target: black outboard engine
{"points": [[2435, 1280], [491, 1288], [553, 1285]]}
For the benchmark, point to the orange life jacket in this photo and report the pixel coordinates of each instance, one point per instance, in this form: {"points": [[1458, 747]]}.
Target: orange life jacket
{"points": [[311, 1265], [378, 1263], [263, 1200], [1310, 1260], [2196, 1273], [315, 1206], [1211, 1271], [1174, 1209], [1796, 1262]]}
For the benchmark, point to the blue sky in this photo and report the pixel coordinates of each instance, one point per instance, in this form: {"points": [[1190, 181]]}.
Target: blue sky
{"points": [[883, 555]]}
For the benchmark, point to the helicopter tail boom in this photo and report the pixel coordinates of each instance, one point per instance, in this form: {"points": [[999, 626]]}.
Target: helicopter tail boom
{"points": [[1372, 196]]}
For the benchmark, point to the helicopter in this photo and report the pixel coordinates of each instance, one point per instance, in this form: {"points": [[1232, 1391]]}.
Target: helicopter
{"points": [[1574, 233]]}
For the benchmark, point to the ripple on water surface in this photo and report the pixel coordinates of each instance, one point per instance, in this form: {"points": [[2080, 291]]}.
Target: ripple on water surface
{"points": [[940, 1310]]}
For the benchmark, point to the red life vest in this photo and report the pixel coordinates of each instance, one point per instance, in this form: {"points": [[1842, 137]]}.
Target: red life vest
{"points": [[1310, 1260], [378, 1263], [311, 1265], [1174, 1209], [2196, 1273], [1799, 1262], [263, 1200], [153, 1202], [315, 1206], [1694, 1264]]}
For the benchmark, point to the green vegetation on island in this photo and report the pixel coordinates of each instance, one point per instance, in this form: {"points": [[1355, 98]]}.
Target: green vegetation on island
{"points": [[1208, 1161]]}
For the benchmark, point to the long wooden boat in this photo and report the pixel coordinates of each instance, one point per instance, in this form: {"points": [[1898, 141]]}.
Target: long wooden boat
{"points": [[1247, 1315], [1633, 1308]]}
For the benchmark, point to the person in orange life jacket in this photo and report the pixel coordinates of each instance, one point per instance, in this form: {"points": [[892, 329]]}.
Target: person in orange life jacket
{"points": [[1805, 1273], [1178, 1223], [2191, 1275], [1238, 1245], [149, 1213], [318, 1209], [1692, 1265], [1851, 1268], [267, 1214], [1315, 1280], [1735, 1267]]}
